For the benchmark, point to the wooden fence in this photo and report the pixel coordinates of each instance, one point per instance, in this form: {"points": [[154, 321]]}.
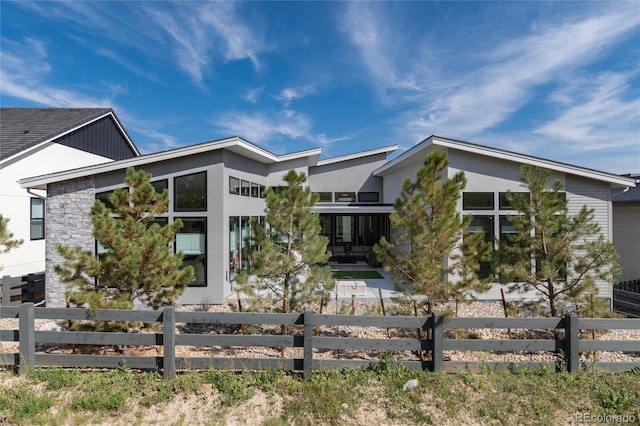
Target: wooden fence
{"points": [[568, 347], [17, 290], [626, 297]]}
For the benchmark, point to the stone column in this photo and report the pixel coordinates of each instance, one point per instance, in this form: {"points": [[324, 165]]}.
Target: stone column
{"points": [[68, 221]]}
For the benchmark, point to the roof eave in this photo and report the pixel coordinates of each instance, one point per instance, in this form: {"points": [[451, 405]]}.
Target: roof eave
{"points": [[613, 180]]}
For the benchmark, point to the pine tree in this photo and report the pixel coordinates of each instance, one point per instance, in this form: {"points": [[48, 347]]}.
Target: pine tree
{"points": [[430, 239], [287, 275], [557, 255], [138, 263], [7, 242]]}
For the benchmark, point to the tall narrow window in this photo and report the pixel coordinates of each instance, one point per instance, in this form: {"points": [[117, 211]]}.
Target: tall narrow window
{"points": [[255, 190], [234, 185], [245, 253], [483, 224], [191, 240], [245, 188], [234, 246], [37, 218], [190, 192]]}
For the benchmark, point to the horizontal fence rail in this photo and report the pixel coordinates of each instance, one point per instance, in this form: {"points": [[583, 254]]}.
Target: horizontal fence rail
{"points": [[304, 335], [17, 290]]}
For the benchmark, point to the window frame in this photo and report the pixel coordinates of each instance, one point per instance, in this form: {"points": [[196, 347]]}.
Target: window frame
{"points": [[465, 201], [324, 194], [377, 197], [341, 197], [41, 220], [203, 219], [237, 186], [175, 193]]}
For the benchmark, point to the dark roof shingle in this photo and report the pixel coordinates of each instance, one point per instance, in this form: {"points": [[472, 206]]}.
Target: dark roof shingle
{"points": [[23, 128]]}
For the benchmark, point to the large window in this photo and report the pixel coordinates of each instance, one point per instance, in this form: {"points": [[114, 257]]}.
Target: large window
{"points": [[241, 243], [483, 224], [37, 218], [255, 190], [345, 196], [160, 185], [104, 198], [368, 197], [504, 202], [345, 230], [191, 240], [325, 197], [477, 200], [190, 192]]}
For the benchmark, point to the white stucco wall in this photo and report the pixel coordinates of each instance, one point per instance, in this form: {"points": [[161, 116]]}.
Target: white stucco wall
{"points": [[15, 202]]}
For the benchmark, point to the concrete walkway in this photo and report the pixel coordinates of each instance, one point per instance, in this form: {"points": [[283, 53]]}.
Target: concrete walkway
{"points": [[374, 286]]}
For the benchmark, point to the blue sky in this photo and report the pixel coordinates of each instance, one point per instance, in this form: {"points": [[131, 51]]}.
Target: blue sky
{"points": [[560, 80]]}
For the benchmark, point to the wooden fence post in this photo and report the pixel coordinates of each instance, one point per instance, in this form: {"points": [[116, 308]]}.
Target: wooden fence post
{"points": [[27, 334], [6, 290], [437, 339], [169, 342], [571, 342], [307, 363]]}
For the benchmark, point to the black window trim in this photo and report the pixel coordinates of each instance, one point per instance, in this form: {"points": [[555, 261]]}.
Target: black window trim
{"points": [[175, 194], [31, 218]]}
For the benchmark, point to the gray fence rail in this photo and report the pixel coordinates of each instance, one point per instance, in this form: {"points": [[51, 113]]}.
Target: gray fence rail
{"points": [[17, 290], [626, 297], [568, 345]]}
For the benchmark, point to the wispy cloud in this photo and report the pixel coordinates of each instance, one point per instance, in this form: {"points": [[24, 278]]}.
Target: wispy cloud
{"points": [[200, 33], [252, 95], [596, 112], [265, 128], [289, 94], [440, 98], [197, 34], [23, 71]]}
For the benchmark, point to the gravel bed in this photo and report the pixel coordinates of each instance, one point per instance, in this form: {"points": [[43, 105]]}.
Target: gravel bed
{"points": [[474, 309]]}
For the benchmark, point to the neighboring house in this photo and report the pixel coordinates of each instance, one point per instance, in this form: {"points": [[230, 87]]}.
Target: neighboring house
{"points": [[36, 141], [216, 187], [626, 228]]}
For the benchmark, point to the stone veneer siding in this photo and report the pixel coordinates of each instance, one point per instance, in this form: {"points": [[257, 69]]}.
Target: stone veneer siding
{"points": [[68, 222]]}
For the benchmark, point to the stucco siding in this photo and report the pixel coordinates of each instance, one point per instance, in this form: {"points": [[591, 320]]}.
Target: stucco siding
{"points": [[351, 175], [15, 202]]}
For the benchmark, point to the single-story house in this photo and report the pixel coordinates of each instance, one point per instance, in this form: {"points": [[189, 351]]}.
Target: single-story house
{"points": [[225, 181], [626, 228], [47, 140]]}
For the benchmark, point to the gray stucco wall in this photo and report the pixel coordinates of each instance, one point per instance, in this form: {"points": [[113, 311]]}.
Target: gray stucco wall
{"points": [[626, 235], [350, 175], [68, 222]]}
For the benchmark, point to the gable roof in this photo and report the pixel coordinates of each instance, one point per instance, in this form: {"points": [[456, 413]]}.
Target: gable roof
{"points": [[438, 141], [234, 144], [22, 129]]}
